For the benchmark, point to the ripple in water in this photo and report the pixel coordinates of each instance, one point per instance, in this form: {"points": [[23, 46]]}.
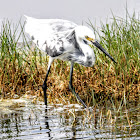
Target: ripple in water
{"points": [[20, 119]]}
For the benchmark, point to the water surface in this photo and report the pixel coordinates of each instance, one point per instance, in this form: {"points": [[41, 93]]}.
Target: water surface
{"points": [[20, 119]]}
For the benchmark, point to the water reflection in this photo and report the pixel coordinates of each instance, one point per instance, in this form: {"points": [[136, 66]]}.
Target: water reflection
{"points": [[31, 121], [47, 123]]}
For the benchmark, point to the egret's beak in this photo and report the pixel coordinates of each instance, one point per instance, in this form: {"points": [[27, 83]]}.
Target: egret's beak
{"points": [[103, 50]]}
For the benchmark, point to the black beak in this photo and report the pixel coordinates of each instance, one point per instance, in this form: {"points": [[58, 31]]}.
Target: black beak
{"points": [[103, 50]]}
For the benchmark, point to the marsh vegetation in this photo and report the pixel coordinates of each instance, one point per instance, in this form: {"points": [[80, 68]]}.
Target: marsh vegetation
{"points": [[109, 87]]}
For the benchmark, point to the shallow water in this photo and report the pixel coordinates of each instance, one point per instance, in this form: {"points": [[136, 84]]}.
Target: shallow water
{"points": [[20, 119]]}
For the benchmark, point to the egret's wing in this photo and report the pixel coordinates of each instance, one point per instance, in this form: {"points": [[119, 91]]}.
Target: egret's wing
{"points": [[42, 28], [50, 34]]}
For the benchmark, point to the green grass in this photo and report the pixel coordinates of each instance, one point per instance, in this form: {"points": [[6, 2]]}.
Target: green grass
{"points": [[17, 64], [122, 39]]}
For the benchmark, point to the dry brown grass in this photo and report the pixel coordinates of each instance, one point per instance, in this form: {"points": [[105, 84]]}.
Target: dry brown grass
{"points": [[103, 82]]}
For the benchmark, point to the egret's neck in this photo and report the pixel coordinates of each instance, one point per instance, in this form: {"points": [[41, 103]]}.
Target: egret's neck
{"points": [[89, 56]]}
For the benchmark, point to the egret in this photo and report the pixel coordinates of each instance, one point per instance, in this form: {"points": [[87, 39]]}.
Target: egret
{"points": [[64, 40]]}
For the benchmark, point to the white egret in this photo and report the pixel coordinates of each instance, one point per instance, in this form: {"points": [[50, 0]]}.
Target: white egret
{"points": [[65, 40]]}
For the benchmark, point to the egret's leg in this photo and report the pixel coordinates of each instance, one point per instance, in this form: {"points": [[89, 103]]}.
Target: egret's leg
{"points": [[71, 87], [44, 87], [71, 72]]}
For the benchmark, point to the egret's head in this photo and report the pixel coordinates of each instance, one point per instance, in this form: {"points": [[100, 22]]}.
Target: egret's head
{"points": [[86, 36]]}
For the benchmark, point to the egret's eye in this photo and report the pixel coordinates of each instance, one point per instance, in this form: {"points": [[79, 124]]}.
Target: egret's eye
{"points": [[86, 37]]}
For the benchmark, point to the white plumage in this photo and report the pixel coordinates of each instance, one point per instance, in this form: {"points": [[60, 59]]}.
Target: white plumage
{"points": [[61, 39], [47, 29], [65, 40]]}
